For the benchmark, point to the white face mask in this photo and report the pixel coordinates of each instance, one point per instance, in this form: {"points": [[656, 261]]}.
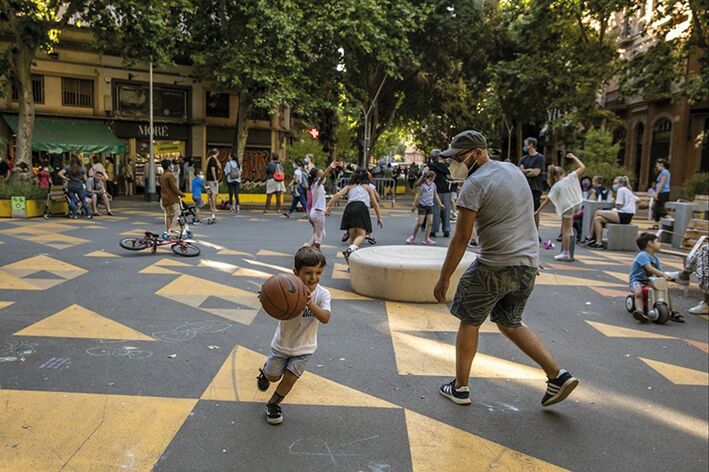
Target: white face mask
{"points": [[458, 170]]}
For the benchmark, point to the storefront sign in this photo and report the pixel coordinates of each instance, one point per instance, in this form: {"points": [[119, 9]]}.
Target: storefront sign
{"points": [[18, 207], [140, 130]]}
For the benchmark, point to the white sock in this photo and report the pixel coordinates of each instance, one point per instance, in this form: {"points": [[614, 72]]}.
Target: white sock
{"points": [[464, 388], [353, 247]]}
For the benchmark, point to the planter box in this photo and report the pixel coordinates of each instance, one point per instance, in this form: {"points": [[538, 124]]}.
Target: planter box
{"points": [[33, 208]]}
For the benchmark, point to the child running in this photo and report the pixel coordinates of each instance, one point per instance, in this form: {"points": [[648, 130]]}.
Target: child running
{"points": [[565, 194], [356, 219], [646, 264], [197, 189], [296, 339], [319, 203], [426, 197]]}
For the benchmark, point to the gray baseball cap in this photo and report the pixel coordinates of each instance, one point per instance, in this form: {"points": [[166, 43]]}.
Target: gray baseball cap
{"points": [[469, 139], [434, 154]]}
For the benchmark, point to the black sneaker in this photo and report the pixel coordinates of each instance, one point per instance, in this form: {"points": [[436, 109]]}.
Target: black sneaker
{"points": [[446, 234], [461, 395], [274, 414], [345, 237], [559, 388], [262, 382], [433, 235], [347, 253]]}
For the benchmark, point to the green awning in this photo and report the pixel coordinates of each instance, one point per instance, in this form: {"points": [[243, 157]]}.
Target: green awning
{"points": [[67, 135]]}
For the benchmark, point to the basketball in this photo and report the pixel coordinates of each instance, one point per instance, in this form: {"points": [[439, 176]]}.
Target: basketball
{"points": [[283, 296]]}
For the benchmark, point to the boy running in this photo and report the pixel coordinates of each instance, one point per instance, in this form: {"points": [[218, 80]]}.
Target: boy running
{"points": [[296, 339]]}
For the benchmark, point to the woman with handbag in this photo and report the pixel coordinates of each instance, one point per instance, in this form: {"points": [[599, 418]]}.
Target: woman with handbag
{"points": [[275, 178]]}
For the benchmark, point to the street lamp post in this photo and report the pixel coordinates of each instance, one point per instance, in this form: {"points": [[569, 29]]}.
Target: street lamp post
{"points": [[151, 133]]}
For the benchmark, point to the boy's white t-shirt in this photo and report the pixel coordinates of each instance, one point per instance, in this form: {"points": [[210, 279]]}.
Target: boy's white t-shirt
{"points": [[319, 198], [566, 193], [626, 199], [299, 336]]}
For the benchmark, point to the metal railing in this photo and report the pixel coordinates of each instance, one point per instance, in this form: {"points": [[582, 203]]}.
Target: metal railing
{"points": [[384, 187]]}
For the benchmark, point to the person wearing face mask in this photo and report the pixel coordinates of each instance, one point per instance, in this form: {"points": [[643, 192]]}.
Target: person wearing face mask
{"points": [[501, 279], [625, 207], [532, 166]]}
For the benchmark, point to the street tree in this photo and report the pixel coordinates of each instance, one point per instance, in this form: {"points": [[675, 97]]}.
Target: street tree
{"points": [[134, 29]]}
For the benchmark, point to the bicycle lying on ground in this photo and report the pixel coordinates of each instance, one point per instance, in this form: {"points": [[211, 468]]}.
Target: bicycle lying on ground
{"points": [[179, 243]]}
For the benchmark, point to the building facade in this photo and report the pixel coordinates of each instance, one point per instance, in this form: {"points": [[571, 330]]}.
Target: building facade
{"points": [[75, 84], [675, 130]]}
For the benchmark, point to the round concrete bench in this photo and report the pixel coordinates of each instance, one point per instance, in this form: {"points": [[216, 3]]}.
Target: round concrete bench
{"points": [[402, 273]]}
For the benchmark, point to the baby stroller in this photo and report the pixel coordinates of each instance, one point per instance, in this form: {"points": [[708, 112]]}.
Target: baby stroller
{"points": [[57, 195]]}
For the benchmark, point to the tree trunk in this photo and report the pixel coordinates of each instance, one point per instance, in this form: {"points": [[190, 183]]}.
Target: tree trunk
{"points": [[332, 137], [242, 130], [519, 140], [22, 63]]}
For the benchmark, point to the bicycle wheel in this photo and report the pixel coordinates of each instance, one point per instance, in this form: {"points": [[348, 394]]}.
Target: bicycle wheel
{"points": [[186, 249], [134, 244]]}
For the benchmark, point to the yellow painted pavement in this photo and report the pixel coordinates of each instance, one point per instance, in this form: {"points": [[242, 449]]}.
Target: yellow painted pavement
{"points": [[76, 321], [613, 331], [101, 253], [678, 375], [236, 381], [436, 446], [86, 432]]}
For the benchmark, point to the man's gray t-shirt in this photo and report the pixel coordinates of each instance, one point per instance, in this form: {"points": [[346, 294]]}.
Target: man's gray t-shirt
{"points": [[499, 193]]}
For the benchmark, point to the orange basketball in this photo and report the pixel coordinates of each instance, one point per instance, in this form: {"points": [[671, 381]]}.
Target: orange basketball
{"points": [[284, 296]]}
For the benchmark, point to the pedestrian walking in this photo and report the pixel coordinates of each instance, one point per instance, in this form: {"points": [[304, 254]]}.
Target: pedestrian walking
{"points": [[500, 281], [275, 185], [298, 186], [170, 196], [441, 215], [532, 165], [214, 176], [356, 219], [662, 189], [232, 169]]}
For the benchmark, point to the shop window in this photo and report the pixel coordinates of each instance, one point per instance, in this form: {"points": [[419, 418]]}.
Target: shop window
{"points": [[77, 92], [37, 89], [217, 105], [132, 101]]}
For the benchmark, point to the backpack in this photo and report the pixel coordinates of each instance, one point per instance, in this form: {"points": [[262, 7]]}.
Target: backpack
{"points": [[234, 171], [279, 175], [304, 180]]}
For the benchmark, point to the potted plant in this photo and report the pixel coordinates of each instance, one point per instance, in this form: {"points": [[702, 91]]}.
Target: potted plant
{"points": [[35, 198]]}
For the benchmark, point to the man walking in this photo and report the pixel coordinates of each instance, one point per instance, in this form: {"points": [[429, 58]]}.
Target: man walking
{"points": [[532, 166], [441, 216], [214, 175], [502, 277]]}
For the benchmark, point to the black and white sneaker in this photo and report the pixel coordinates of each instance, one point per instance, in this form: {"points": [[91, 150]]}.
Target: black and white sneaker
{"points": [[274, 414], [461, 395], [559, 388], [347, 253], [640, 316], [262, 381]]}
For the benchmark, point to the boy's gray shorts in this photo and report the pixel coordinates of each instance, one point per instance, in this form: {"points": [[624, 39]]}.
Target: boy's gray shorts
{"points": [[278, 363]]}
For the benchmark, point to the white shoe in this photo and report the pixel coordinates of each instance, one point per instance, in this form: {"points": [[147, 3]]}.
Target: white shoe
{"points": [[701, 309], [563, 257]]}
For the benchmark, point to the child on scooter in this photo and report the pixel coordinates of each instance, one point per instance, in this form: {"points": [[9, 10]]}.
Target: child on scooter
{"points": [[646, 264]]}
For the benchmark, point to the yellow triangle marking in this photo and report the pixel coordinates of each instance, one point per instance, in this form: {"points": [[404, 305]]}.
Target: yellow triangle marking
{"points": [[266, 252], [10, 282], [140, 223], [426, 317], [5, 304], [103, 429], [156, 269], [678, 375], [340, 272], [613, 331], [240, 316], [78, 322], [236, 381], [338, 294], [243, 272], [232, 252], [547, 278], [172, 263], [437, 446], [420, 356], [623, 277], [101, 253], [47, 263]]}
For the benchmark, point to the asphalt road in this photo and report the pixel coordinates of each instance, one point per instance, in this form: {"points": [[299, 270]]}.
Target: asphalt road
{"points": [[111, 360]]}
